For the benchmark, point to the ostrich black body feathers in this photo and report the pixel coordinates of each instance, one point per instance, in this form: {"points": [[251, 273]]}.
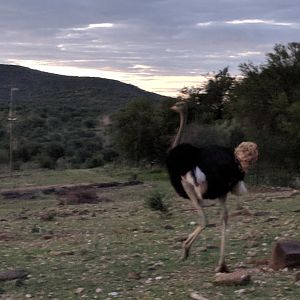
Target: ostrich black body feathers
{"points": [[218, 163]]}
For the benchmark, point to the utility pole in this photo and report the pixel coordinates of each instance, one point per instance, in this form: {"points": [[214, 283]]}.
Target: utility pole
{"points": [[11, 119]]}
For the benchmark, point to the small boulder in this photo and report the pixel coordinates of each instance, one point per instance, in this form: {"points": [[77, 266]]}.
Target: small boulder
{"points": [[285, 253], [239, 277], [134, 275], [197, 296], [13, 274]]}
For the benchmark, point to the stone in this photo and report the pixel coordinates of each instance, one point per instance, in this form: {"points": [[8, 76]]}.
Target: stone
{"points": [[196, 296], [285, 253], [134, 275], [79, 291], [169, 227], [239, 277], [13, 274], [6, 237], [240, 292], [48, 216]]}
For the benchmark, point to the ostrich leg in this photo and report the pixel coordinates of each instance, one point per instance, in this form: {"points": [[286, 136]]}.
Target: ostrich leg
{"points": [[224, 217], [198, 204]]}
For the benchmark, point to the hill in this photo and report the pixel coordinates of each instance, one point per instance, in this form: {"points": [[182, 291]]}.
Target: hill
{"points": [[59, 117], [45, 88]]}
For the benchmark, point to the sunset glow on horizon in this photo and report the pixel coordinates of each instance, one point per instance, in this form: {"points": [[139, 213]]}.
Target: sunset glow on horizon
{"points": [[163, 85]]}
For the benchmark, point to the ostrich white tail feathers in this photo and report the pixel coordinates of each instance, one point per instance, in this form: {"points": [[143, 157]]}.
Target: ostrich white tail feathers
{"points": [[239, 189], [196, 178]]}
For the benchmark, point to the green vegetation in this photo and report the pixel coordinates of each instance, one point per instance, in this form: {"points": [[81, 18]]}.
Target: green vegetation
{"points": [[120, 249], [60, 119], [70, 122], [156, 201], [262, 106], [142, 130]]}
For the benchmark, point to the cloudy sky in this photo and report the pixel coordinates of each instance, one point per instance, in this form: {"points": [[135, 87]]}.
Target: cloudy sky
{"points": [[158, 45]]}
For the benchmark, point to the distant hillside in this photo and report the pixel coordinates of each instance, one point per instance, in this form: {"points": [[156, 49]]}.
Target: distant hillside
{"points": [[60, 118], [45, 88]]}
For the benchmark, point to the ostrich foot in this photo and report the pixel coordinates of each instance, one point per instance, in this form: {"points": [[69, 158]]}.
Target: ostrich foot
{"points": [[186, 253], [222, 268]]}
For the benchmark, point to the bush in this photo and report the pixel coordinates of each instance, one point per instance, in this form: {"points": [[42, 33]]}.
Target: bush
{"points": [[4, 156], [95, 161], [55, 150], [46, 161], [109, 155], [156, 202]]}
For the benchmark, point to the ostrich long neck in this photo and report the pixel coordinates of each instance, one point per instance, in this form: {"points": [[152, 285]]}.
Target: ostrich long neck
{"points": [[178, 137]]}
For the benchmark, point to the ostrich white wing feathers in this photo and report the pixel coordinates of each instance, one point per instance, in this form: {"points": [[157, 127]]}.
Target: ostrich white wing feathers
{"points": [[239, 188], [195, 177], [198, 179]]}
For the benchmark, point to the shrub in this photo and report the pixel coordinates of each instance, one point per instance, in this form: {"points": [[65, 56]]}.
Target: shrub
{"points": [[95, 161], [155, 201], [4, 156], [46, 161]]}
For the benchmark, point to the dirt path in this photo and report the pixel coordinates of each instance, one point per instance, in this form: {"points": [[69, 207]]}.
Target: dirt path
{"points": [[48, 189]]}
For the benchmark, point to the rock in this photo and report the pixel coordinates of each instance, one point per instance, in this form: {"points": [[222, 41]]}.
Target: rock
{"points": [[196, 296], [169, 227], [79, 291], [252, 253], [12, 194], [62, 253], [285, 253], [252, 244], [47, 237], [134, 275], [271, 219], [242, 211], [211, 246], [240, 292], [48, 216], [155, 265], [261, 213], [13, 274], [258, 262], [239, 277], [6, 237]]}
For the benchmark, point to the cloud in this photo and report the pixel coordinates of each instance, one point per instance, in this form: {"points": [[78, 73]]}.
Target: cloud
{"points": [[258, 21], [94, 26], [159, 38], [204, 24], [247, 22]]}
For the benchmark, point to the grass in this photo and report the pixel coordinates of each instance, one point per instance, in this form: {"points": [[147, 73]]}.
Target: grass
{"points": [[121, 249]]}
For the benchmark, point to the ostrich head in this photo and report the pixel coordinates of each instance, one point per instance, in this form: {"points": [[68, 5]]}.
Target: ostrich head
{"points": [[247, 154], [180, 107]]}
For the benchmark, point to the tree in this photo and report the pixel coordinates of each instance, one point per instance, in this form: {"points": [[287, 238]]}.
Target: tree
{"points": [[208, 102], [266, 102], [138, 132]]}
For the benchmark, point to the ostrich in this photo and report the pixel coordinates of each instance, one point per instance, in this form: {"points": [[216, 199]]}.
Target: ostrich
{"points": [[209, 172]]}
